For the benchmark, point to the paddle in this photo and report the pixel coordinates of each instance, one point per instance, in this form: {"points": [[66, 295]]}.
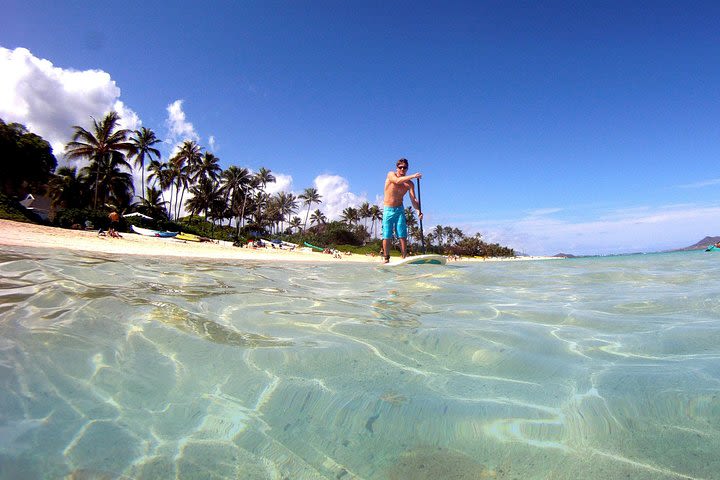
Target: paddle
{"points": [[422, 236]]}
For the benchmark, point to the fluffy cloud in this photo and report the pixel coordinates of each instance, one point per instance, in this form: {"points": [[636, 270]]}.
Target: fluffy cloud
{"points": [[282, 183], [49, 100], [641, 229], [179, 129], [336, 195]]}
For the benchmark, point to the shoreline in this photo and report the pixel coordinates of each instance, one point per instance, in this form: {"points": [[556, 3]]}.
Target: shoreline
{"points": [[19, 234]]}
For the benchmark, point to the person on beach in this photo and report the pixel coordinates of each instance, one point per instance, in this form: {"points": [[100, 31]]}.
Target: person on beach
{"points": [[397, 184], [114, 220]]}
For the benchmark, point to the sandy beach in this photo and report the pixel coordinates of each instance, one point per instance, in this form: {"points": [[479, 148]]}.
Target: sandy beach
{"points": [[29, 235]]}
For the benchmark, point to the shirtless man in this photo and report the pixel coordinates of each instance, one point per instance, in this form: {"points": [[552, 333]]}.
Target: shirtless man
{"points": [[397, 184]]}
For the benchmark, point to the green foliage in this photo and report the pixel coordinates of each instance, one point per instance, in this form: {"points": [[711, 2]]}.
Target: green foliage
{"points": [[328, 235], [475, 247], [200, 226], [78, 216], [12, 210], [26, 160]]}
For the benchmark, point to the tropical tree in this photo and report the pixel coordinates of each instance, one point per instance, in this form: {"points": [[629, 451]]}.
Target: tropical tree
{"points": [[309, 196], [350, 216], [153, 205], [205, 194], [114, 182], [66, 189], [208, 167], [439, 232], [143, 142], [376, 215], [262, 178], [286, 204], [104, 146], [161, 175], [296, 223], [318, 217], [364, 212], [26, 160], [235, 184], [183, 165]]}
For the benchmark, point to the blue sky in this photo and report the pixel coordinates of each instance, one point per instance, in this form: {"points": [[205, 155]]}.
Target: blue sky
{"points": [[577, 127]]}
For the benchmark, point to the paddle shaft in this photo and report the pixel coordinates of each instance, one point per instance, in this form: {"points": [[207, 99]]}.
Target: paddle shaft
{"points": [[422, 235]]}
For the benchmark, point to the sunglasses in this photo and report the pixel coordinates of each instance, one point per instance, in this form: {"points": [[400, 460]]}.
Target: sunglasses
{"points": [[402, 167]]}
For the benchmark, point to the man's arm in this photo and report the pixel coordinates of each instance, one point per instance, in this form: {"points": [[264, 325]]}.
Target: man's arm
{"points": [[392, 178]]}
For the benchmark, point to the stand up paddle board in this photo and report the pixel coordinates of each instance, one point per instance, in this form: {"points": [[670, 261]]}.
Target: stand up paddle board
{"points": [[417, 260]]}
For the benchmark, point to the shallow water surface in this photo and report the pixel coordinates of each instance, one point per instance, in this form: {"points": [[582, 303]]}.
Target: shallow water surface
{"points": [[145, 368]]}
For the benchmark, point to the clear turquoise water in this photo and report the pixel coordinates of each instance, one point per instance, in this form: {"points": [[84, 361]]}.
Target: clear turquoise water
{"points": [[143, 368]]}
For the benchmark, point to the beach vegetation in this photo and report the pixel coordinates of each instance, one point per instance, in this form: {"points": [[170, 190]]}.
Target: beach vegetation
{"points": [[26, 161], [79, 217]]}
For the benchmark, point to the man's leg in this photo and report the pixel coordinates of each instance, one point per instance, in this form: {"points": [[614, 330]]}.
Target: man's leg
{"points": [[403, 247], [386, 250]]}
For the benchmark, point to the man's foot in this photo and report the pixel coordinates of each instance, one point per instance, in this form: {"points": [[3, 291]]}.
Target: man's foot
{"points": [[386, 259]]}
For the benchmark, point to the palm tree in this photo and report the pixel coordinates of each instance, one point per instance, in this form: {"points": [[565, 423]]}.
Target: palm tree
{"points": [[180, 178], [65, 188], [142, 142], [439, 233], [259, 201], [154, 205], [208, 167], [205, 194], [236, 182], [350, 216], [161, 175], [262, 178], [318, 218], [309, 196], [184, 165], [364, 212], [104, 146], [296, 223], [286, 204], [114, 182], [375, 215]]}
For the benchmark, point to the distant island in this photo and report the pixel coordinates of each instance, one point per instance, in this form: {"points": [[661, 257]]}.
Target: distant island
{"points": [[701, 245]]}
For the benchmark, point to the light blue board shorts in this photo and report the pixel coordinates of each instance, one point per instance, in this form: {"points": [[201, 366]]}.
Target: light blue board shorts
{"points": [[394, 219]]}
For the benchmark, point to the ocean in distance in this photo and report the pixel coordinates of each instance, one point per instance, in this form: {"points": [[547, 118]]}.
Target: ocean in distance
{"points": [[142, 368]]}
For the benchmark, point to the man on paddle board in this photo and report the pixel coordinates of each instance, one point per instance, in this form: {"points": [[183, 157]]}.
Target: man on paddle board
{"points": [[397, 184]]}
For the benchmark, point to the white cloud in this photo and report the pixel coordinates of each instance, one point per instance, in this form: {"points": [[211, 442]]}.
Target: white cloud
{"points": [[641, 229], [282, 183], [702, 183], [212, 143], [49, 100], [179, 129], [336, 195]]}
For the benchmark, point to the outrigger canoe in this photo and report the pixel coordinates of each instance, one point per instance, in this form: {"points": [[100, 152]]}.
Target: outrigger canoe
{"points": [[152, 233]]}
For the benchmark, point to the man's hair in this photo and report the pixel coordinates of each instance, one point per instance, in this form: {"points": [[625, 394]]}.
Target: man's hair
{"points": [[401, 161]]}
